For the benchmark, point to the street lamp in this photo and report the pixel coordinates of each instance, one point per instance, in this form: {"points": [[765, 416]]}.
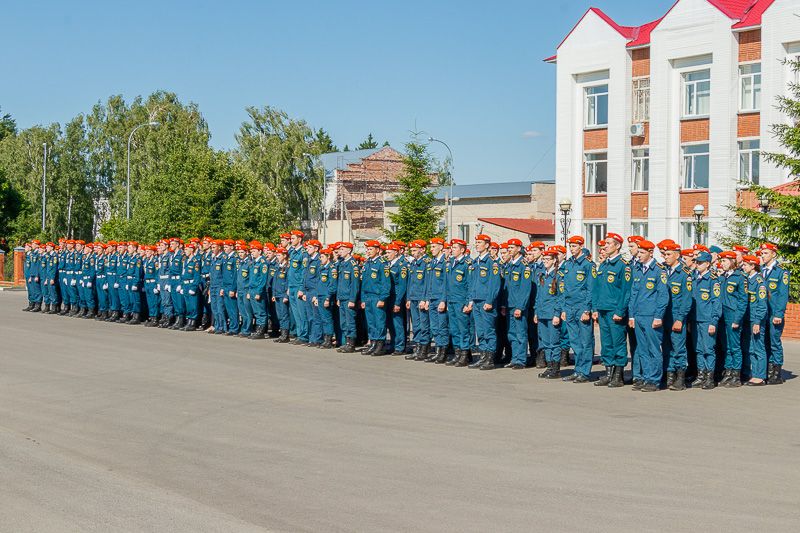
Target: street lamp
{"points": [[566, 208], [128, 185], [763, 203], [450, 196], [699, 211], [44, 184]]}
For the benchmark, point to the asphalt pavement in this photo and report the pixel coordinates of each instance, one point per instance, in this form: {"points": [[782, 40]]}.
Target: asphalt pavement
{"points": [[108, 427]]}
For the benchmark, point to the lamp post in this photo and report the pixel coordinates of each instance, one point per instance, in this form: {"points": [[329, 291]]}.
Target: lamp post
{"points": [[566, 208], [450, 195], [763, 205], [699, 211], [44, 183], [128, 185]]}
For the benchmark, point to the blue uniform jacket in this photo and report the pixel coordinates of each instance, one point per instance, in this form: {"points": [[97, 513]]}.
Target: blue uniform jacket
{"points": [[518, 285], [243, 276], [649, 293], [577, 279], [399, 281], [417, 281], [436, 277], [706, 293], [190, 278], [259, 269], [459, 272], [757, 298], [297, 263], [679, 282], [349, 273], [777, 282], [485, 280], [310, 274], [280, 281], [611, 288], [549, 300], [375, 280], [734, 296]]}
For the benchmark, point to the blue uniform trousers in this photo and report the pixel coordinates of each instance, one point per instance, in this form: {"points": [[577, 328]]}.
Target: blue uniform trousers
{"points": [[581, 339], [613, 349], [485, 326], [459, 325], [733, 345], [166, 300], [113, 297], [440, 330], [190, 304], [153, 302], [674, 347], [518, 337], [218, 309], [550, 340], [135, 300], [272, 312], [34, 292], [259, 310], [102, 296], [298, 315], [122, 294], [178, 300], [313, 326], [326, 318], [282, 310], [755, 347], [705, 347], [246, 314], [52, 293], [396, 324], [376, 319], [649, 362], [88, 296], [774, 342], [347, 319], [420, 324], [232, 310], [564, 338]]}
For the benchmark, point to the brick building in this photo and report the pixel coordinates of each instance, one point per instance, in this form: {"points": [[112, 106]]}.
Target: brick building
{"points": [[653, 120]]}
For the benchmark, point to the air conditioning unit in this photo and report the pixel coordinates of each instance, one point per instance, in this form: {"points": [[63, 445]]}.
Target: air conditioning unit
{"points": [[637, 130]]}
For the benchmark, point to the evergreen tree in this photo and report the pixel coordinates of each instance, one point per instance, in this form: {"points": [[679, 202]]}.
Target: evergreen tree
{"points": [[781, 224], [417, 216], [368, 143], [8, 126], [323, 142]]}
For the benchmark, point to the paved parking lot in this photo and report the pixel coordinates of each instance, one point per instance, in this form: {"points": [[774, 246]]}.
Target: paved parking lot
{"points": [[107, 427]]}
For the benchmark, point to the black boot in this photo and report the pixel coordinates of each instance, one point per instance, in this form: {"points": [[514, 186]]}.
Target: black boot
{"points": [[680, 380], [564, 357], [464, 360], [424, 352], [180, 322], [257, 334], [135, 320], [616, 377], [64, 310], [327, 342], [488, 364], [701, 378], [456, 357], [606, 378], [727, 375], [778, 376], [670, 379], [480, 357], [540, 361], [37, 306], [413, 355], [548, 372], [441, 356], [708, 381], [735, 380], [378, 349], [555, 372], [433, 355], [284, 338], [56, 310], [369, 348], [90, 314], [349, 345], [191, 325], [29, 308]]}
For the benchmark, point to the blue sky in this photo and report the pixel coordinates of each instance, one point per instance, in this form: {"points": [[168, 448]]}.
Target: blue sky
{"points": [[469, 73]]}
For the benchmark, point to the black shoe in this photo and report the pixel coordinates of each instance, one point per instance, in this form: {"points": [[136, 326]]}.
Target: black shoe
{"points": [[151, 322], [680, 380], [231, 333], [28, 309], [701, 377], [555, 372], [441, 356], [424, 352], [36, 308], [564, 357], [90, 315], [516, 366], [735, 381], [581, 378], [454, 360], [414, 354], [369, 348], [135, 320], [727, 375], [540, 361], [349, 346], [64, 311], [547, 373], [605, 379], [377, 349], [488, 364], [616, 377], [258, 333], [327, 342], [670, 379], [480, 357], [779, 375], [464, 360], [649, 387], [637, 384], [708, 381], [180, 322]]}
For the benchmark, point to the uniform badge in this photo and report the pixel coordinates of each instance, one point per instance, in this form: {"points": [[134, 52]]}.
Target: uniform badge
{"points": [[752, 298], [334, 274], [403, 274], [785, 278], [420, 275], [294, 264], [552, 290], [664, 278], [313, 270], [374, 275], [483, 272], [773, 285], [244, 273], [495, 270], [650, 285], [676, 289], [324, 278], [610, 278], [580, 276], [561, 287], [731, 288], [688, 284], [459, 277], [594, 272], [515, 275], [762, 292], [527, 274], [704, 296], [347, 275], [438, 272], [305, 262]]}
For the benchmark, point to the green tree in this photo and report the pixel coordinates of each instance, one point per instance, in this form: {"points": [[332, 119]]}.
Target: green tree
{"points": [[417, 216], [781, 224], [346, 148], [10, 204], [368, 143], [323, 142], [8, 126]]}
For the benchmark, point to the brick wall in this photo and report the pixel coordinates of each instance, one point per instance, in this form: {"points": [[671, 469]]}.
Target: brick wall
{"points": [[640, 62], [749, 125], [642, 141], [791, 328], [750, 45], [694, 130], [639, 204], [689, 199], [595, 139], [595, 206]]}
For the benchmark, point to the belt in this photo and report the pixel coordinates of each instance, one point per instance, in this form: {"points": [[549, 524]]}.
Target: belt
{"points": [[175, 277], [163, 277], [69, 271]]}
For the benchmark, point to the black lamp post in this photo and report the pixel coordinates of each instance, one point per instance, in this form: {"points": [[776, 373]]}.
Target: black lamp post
{"points": [[566, 208], [699, 211]]}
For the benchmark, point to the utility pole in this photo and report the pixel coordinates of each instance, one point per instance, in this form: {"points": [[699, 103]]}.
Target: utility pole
{"points": [[44, 185]]}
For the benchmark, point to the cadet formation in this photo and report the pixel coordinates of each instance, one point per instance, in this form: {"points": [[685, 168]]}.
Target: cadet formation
{"points": [[699, 318]]}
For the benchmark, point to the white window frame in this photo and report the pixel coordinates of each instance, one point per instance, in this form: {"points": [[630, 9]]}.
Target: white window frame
{"points": [[750, 154], [640, 92], [637, 166], [587, 170], [689, 233], [694, 99], [791, 75], [639, 227], [463, 231], [594, 232], [752, 102], [592, 121], [686, 167]]}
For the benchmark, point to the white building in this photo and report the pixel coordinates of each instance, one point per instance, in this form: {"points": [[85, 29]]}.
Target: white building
{"points": [[653, 120]]}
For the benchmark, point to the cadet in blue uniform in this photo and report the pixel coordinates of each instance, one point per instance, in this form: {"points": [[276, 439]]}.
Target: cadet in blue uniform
{"points": [[257, 291], [163, 257], [297, 263], [347, 289], [216, 269], [679, 283], [280, 293], [459, 274], [517, 303], [648, 303], [611, 291], [396, 303], [134, 281], [101, 285], [547, 312], [576, 288], [533, 257], [229, 285], [50, 278], [242, 286], [755, 322], [436, 301], [777, 281], [734, 307], [310, 280], [175, 273], [483, 302], [205, 276], [706, 293], [418, 265], [190, 285], [325, 296], [123, 289], [375, 287], [112, 263], [151, 290], [88, 281]]}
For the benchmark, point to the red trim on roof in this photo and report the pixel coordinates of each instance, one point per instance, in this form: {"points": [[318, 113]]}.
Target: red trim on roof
{"points": [[791, 188], [625, 31], [551, 59], [530, 226], [753, 15]]}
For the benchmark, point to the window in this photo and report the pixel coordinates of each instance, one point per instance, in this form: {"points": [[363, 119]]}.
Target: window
{"points": [[750, 87], [596, 106], [641, 99], [463, 232], [639, 228], [695, 166], [442, 225], [696, 93], [641, 169], [594, 233], [596, 173], [749, 161], [689, 234], [393, 228]]}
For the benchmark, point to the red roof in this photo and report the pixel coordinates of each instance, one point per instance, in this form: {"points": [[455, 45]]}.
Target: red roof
{"points": [[530, 226], [747, 13], [791, 188]]}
